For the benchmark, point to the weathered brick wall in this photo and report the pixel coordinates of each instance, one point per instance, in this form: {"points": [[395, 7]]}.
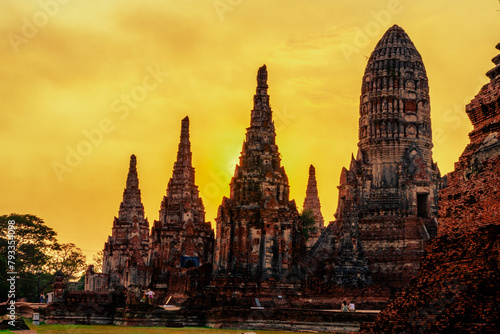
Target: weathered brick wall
{"points": [[393, 248], [456, 290], [468, 204], [84, 307], [95, 281]]}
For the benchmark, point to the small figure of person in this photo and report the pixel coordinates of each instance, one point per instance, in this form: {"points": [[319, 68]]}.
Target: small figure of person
{"points": [[351, 307], [42, 298], [143, 298], [150, 295], [343, 307]]}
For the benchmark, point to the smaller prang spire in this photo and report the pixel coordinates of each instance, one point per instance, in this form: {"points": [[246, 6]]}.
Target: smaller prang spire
{"points": [[262, 78], [183, 169], [182, 180], [261, 113], [132, 178], [184, 155], [131, 204], [127, 249], [311, 202]]}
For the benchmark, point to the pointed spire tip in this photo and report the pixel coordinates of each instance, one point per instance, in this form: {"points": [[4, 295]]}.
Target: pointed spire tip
{"points": [[262, 77], [185, 126], [312, 170], [133, 161]]}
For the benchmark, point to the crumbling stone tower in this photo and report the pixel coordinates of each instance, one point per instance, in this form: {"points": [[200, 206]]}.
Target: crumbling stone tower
{"points": [[312, 204], [126, 253], [388, 196], [181, 238], [258, 226]]}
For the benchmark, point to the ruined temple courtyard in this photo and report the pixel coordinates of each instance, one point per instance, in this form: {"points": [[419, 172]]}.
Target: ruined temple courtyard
{"points": [[420, 246]]}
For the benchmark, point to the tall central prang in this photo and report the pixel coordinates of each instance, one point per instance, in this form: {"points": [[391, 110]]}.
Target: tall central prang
{"points": [[395, 136], [257, 226], [388, 196]]}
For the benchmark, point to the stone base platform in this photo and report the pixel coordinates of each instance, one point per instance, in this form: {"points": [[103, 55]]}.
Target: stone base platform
{"points": [[291, 319]]}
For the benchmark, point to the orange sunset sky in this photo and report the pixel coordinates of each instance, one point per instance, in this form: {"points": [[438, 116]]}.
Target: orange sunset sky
{"points": [[132, 70]]}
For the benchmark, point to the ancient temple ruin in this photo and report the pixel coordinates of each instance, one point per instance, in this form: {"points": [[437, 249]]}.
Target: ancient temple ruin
{"points": [[126, 253], [456, 290], [258, 226], [388, 197], [385, 219], [313, 206], [180, 239]]}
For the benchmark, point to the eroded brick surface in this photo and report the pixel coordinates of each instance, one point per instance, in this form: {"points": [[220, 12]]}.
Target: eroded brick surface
{"points": [[456, 290]]}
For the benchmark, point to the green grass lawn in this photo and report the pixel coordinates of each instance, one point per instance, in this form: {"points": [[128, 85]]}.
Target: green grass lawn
{"points": [[82, 329]]}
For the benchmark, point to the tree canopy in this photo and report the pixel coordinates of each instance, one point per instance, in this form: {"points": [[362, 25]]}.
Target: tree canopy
{"points": [[308, 223], [38, 255], [33, 241], [97, 261]]}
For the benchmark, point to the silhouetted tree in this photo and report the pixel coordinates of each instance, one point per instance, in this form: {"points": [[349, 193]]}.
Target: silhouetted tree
{"points": [[37, 256], [68, 259], [97, 261]]}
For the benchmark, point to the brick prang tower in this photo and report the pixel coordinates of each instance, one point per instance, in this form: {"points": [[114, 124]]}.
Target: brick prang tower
{"points": [[180, 238], [388, 198], [312, 204], [126, 253], [258, 226]]}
